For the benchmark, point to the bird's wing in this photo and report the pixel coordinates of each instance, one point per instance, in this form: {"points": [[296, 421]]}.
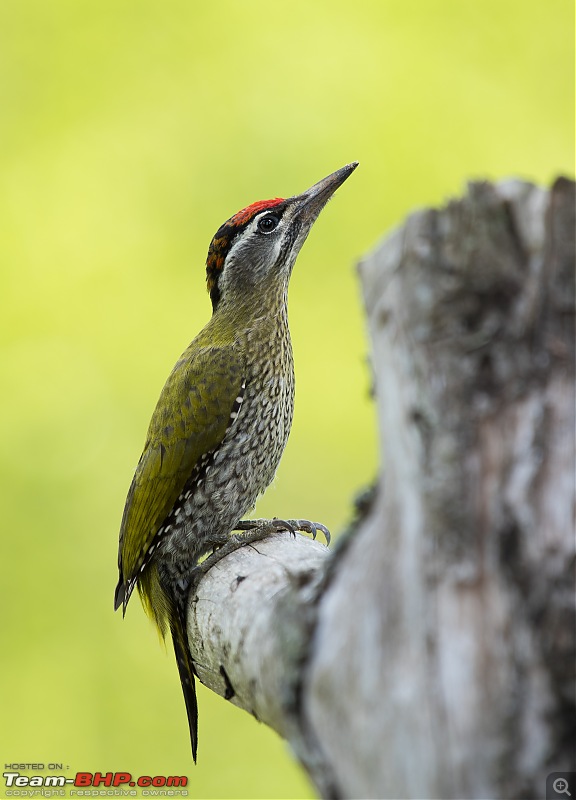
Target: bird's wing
{"points": [[190, 420]]}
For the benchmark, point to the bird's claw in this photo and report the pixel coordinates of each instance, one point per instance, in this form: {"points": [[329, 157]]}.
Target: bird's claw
{"points": [[311, 527], [290, 525], [273, 525], [285, 525]]}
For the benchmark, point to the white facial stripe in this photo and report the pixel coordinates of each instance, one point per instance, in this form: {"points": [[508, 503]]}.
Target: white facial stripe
{"points": [[250, 231]]}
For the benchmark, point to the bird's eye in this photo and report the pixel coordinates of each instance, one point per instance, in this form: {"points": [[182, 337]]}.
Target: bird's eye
{"points": [[268, 223]]}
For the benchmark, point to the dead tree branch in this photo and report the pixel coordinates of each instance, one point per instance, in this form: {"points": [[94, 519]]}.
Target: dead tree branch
{"points": [[432, 654]]}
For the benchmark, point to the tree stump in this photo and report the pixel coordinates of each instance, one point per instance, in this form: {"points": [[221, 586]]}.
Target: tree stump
{"points": [[431, 655]]}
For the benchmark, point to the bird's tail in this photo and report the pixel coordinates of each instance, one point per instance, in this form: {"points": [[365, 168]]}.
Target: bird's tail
{"points": [[186, 670]]}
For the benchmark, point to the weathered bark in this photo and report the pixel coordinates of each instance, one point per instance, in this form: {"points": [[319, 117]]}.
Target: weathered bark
{"points": [[432, 655], [250, 628]]}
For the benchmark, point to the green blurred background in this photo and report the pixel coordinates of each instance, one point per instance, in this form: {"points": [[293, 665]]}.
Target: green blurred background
{"points": [[130, 130]]}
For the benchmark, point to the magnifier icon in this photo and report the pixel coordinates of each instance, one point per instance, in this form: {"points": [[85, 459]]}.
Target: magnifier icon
{"points": [[560, 786]]}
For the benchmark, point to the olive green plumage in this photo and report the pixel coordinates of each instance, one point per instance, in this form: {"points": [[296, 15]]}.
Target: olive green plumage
{"points": [[222, 420], [190, 419]]}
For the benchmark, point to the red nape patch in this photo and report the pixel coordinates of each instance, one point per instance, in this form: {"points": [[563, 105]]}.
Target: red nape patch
{"points": [[246, 214]]}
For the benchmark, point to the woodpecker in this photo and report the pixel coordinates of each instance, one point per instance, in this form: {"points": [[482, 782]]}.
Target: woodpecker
{"points": [[222, 421]]}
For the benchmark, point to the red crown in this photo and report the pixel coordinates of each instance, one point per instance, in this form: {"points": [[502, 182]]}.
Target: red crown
{"points": [[246, 214]]}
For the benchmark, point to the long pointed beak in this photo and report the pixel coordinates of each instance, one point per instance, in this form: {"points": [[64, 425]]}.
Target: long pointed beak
{"points": [[311, 202]]}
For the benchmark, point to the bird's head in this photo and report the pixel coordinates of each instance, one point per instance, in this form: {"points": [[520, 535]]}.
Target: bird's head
{"points": [[258, 246]]}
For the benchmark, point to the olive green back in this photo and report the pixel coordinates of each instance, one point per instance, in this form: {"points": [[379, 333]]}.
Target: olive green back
{"points": [[190, 419]]}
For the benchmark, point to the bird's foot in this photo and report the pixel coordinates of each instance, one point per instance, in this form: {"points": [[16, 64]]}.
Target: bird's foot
{"points": [[255, 530], [291, 525], [253, 534]]}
